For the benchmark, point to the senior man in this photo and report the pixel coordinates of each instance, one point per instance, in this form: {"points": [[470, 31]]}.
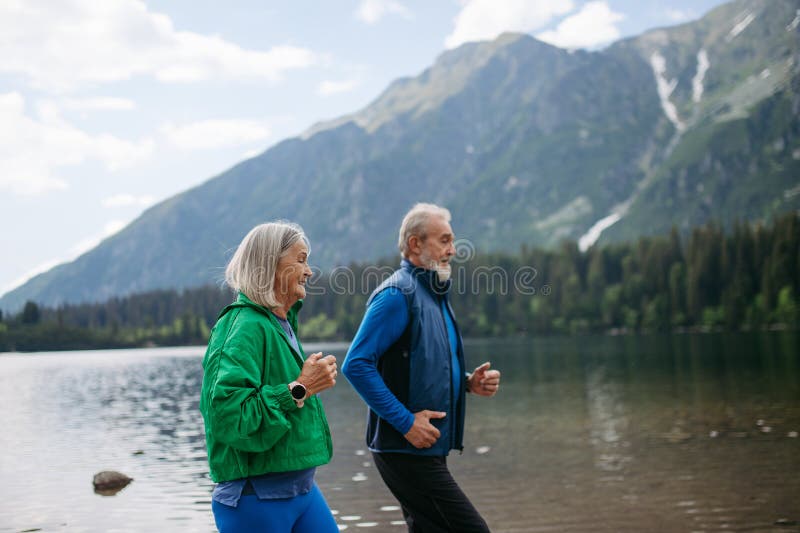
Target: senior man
{"points": [[407, 363]]}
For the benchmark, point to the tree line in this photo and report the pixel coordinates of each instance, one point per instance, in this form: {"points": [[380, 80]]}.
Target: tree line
{"points": [[746, 278]]}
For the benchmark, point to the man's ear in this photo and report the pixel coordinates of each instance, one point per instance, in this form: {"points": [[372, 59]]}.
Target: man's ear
{"points": [[415, 244]]}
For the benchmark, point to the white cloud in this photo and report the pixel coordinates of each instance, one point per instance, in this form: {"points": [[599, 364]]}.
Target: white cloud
{"points": [[83, 246], [33, 149], [72, 43], [249, 154], [593, 25], [680, 15], [112, 227], [99, 104], [206, 134], [329, 87], [127, 200], [481, 20], [372, 11]]}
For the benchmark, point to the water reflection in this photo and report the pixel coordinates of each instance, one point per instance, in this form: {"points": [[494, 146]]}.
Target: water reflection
{"points": [[135, 412], [686, 433], [608, 422]]}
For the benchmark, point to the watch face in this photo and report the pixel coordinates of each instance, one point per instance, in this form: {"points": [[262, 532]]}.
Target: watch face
{"points": [[298, 392]]}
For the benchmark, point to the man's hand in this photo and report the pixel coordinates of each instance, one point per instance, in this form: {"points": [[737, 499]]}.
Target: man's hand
{"points": [[484, 382], [319, 373], [423, 434]]}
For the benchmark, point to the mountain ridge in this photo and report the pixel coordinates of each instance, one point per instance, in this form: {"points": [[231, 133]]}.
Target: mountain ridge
{"points": [[523, 141]]}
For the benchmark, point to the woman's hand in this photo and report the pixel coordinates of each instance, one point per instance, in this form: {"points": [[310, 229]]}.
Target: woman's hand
{"points": [[319, 373]]}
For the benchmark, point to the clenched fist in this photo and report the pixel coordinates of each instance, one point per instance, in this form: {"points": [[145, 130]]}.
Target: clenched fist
{"points": [[319, 373]]}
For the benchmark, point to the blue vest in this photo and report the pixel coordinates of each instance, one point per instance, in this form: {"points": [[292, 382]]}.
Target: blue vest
{"points": [[417, 367]]}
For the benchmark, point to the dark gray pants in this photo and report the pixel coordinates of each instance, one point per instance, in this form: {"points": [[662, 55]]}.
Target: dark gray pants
{"points": [[431, 500]]}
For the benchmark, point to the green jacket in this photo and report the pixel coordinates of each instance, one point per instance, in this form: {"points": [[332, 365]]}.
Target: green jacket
{"points": [[253, 425]]}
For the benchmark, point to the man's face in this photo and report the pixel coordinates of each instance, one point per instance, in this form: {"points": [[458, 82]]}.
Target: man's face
{"points": [[437, 249]]}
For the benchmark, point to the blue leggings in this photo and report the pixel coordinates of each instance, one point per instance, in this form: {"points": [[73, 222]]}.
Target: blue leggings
{"points": [[306, 513]]}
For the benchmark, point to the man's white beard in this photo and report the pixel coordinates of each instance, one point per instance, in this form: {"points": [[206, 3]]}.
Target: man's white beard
{"points": [[443, 270]]}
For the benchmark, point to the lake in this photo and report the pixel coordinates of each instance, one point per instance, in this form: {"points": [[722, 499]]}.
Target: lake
{"points": [[636, 433]]}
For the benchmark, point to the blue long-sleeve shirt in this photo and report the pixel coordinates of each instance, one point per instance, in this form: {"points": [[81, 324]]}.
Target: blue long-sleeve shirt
{"points": [[384, 322]]}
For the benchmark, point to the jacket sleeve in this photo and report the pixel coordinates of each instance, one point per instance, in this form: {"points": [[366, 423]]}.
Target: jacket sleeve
{"points": [[243, 414], [383, 323]]}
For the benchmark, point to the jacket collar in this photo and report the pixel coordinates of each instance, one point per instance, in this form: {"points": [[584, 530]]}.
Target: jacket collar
{"points": [[243, 301], [428, 278]]}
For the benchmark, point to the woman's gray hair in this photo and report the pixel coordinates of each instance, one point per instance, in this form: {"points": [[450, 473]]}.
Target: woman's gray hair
{"points": [[253, 266], [416, 223]]}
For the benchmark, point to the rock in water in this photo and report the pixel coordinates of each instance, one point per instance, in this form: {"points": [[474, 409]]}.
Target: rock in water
{"points": [[109, 482]]}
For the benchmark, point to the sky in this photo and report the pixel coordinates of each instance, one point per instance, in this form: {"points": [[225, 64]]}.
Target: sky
{"points": [[108, 107]]}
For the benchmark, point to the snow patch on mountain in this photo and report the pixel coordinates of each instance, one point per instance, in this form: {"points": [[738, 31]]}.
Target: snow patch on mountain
{"points": [[665, 88], [697, 81], [740, 26], [794, 23], [591, 236]]}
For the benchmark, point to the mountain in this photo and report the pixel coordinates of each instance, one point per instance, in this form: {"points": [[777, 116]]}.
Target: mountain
{"points": [[524, 142], [731, 88]]}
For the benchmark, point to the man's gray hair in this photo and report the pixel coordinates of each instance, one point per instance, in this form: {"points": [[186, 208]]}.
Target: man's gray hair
{"points": [[416, 223], [253, 266]]}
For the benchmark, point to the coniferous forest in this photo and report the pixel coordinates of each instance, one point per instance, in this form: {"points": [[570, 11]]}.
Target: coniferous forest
{"points": [[744, 278]]}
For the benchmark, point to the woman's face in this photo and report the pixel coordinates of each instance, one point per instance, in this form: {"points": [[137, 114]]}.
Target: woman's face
{"points": [[292, 273]]}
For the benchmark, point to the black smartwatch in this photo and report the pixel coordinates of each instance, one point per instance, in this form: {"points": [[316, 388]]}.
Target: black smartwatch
{"points": [[299, 392]]}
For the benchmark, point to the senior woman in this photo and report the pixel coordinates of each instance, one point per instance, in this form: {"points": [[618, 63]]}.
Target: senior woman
{"points": [[266, 431]]}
